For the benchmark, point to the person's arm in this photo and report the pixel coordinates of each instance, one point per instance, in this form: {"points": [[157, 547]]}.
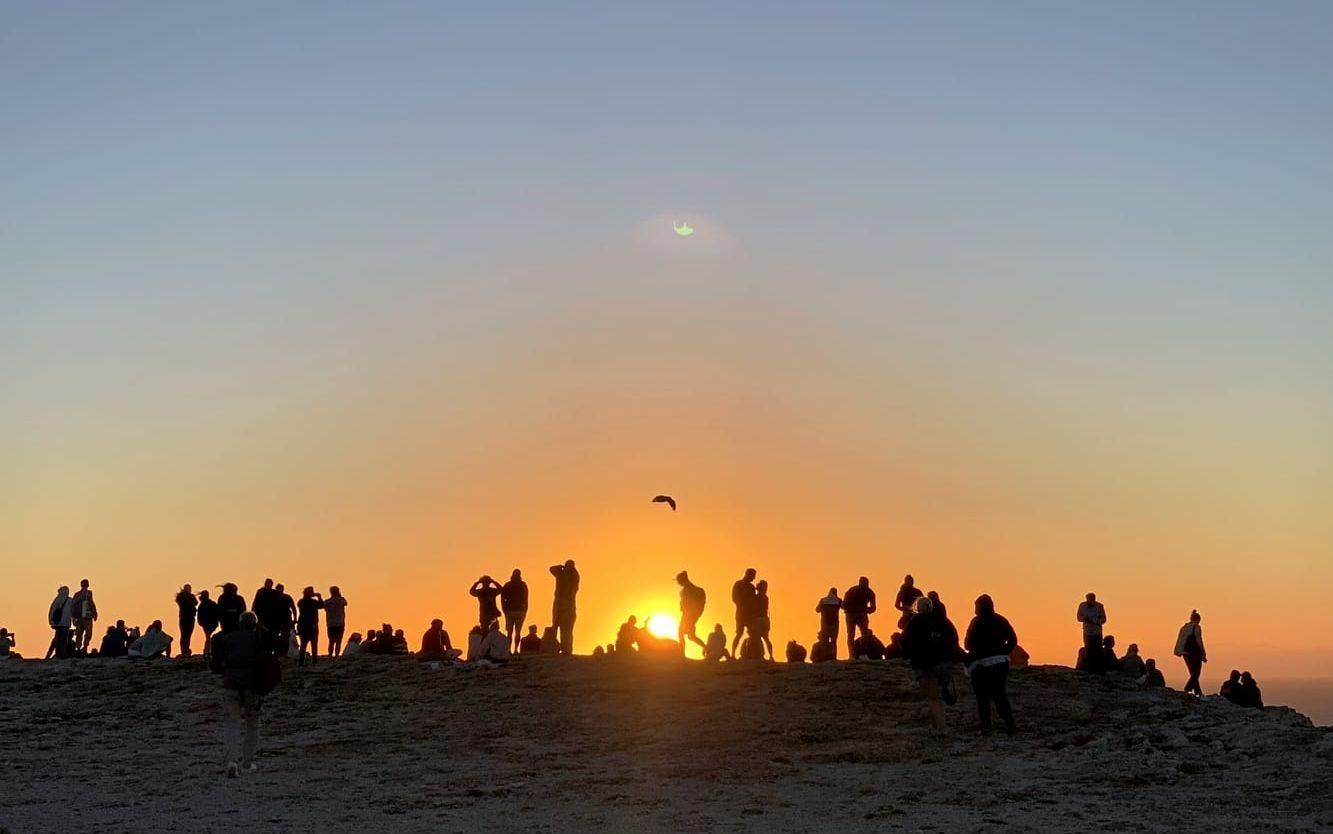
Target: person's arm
{"points": [[871, 609], [555, 570], [475, 590]]}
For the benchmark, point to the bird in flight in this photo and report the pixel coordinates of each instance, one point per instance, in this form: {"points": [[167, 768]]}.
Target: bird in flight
{"points": [[665, 499]]}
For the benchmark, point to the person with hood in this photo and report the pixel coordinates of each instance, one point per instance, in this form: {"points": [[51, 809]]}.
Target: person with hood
{"points": [[1231, 687], [1189, 647], [857, 606], [514, 606], [931, 644], [307, 624], [715, 649], [564, 609], [240, 659], [231, 605], [487, 591], [989, 641], [828, 608], [692, 602], [742, 596], [208, 616], [84, 612], [335, 620], [908, 594], [1092, 614], [531, 642], [154, 643], [1131, 665], [762, 625], [187, 606], [60, 616]]}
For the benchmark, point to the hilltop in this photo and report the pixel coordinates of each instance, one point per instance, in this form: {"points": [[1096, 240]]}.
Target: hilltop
{"points": [[628, 744]]}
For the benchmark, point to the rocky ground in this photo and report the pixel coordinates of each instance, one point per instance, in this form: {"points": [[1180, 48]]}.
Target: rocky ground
{"points": [[389, 744]]}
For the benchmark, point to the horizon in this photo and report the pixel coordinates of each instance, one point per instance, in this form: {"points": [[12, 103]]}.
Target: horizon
{"points": [[388, 298]]}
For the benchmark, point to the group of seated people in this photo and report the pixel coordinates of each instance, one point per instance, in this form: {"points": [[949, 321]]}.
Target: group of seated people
{"points": [[120, 641], [384, 640], [1132, 665], [1241, 689], [488, 644]]}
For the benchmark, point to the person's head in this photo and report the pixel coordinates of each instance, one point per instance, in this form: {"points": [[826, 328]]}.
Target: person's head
{"points": [[1150, 663], [532, 630], [924, 605], [908, 580], [398, 635], [1091, 597], [308, 591], [717, 628], [1109, 641], [750, 574], [682, 578], [156, 625], [516, 575], [386, 629], [1194, 617], [1234, 676], [249, 621], [486, 579], [833, 592], [1133, 649], [985, 605], [864, 582], [83, 583], [896, 637], [229, 588], [186, 589], [203, 594], [335, 591], [280, 588], [437, 623], [268, 583], [120, 624], [62, 591], [355, 638], [1246, 677], [569, 563], [762, 587], [109, 629], [598, 651], [934, 597], [632, 619]]}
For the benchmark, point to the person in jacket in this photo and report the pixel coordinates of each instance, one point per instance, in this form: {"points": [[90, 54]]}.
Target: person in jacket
{"points": [[487, 591], [828, 609], [187, 607], [989, 641], [435, 643], [60, 616], [931, 644], [514, 606], [84, 612], [239, 658], [1152, 676], [208, 616], [824, 649], [905, 602], [742, 596], [231, 605], [868, 647], [1189, 647], [114, 642], [1231, 687], [857, 606], [1092, 614], [335, 620], [286, 616], [692, 602], [1250, 696], [307, 624], [564, 609], [1131, 665]]}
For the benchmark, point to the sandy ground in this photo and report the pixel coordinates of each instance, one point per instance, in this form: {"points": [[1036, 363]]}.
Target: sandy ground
{"points": [[547, 744]]}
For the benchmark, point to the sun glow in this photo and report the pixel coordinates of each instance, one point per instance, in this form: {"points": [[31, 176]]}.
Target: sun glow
{"points": [[662, 625]]}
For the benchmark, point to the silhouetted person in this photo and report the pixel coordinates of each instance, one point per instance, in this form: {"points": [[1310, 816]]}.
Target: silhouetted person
{"points": [[564, 610], [751, 649], [494, 647], [716, 646], [187, 608], [990, 639], [827, 608], [627, 635], [514, 604], [335, 620], [1152, 676], [868, 647], [1092, 614], [894, 650], [487, 591], [931, 643], [60, 616], [1189, 647], [1250, 696], [908, 594], [287, 605], [355, 647], [7, 641], [742, 596], [937, 604], [1131, 665], [857, 606], [307, 623], [823, 650], [84, 612], [435, 643], [1109, 661], [154, 642], [550, 641], [231, 605], [269, 608], [795, 652], [692, 602], [113, 642], [761, 624], [1231, 687], [239, 657], [531, 643]]}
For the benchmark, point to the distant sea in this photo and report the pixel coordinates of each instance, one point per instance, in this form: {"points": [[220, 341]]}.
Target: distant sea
{"points": [[1311, 696]]}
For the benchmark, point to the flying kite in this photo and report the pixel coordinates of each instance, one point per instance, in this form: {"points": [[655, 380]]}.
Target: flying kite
{"points": [[665, 499]]}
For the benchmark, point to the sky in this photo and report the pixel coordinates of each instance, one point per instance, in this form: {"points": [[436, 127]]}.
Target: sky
{"points": [[1030, 299]]}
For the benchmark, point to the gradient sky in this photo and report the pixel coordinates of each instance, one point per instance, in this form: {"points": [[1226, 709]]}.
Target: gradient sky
{"points": [[1021, 298]]}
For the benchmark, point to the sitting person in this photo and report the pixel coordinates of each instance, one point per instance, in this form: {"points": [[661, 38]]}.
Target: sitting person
{"points": [[1109, 660], [355, 647], [823, 650], [597, 651], [1250, 696], [1152, 676], [550, 643], [627, 635], [795, 652], [493, 646], [715, 648], [435, 644], [381, 640], [1231, 688], [7, 644], [153, 643], [399, 643], [650, 643], [1131, 665], [752, 648], [894, 651], [868, 646], [531, 643], [113, 643]]}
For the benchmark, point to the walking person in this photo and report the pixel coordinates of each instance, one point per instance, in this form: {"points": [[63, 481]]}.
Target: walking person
{"points": [[187, 607], [742, 596], [335, 620], [307, 624], [247, 675], [1189, 647], [931, 643], [827, 609], [989, 641], [514, 606], [1092, 614], [692, 602], [60, 616], [84, 612], [564, 610], [208, 616], [857, 606]]}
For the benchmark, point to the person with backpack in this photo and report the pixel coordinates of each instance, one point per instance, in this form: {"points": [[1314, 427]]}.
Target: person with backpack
{"points": [[989, 641], [208, 616], [1189, 647], [931, 644], [60, 616], [188, 608], [248, 674], [692, 602], [514, 606]]}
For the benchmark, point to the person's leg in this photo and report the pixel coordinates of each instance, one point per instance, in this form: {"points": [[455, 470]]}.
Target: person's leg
{"points": [[1195, 667], [252, 702], [1000, 693], [930, 690], [66, 647], [982, 689], [740, 632], [314, 646], [208, 642], [53, 649], [187, 631], [231, 730], [851, 637], [569, 633]]}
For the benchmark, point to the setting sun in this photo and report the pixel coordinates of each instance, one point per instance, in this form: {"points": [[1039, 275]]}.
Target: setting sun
{"points": [[662, 625]]}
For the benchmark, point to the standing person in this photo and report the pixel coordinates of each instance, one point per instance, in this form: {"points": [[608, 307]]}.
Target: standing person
{"points": [[931, 643], [1189, 647], [60, 616], [239, 657], [908, 594], [267, 605], [335, 620], [692, 601], [307, 623], [486, 590], [827, 609], [857, 606], [85, 614], [742, 596], [761, 624], [231, 605], [564, 610], [286, 615], [188, 608], [208, 616], [1092, 614], [514, 604], [990, 639]]}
